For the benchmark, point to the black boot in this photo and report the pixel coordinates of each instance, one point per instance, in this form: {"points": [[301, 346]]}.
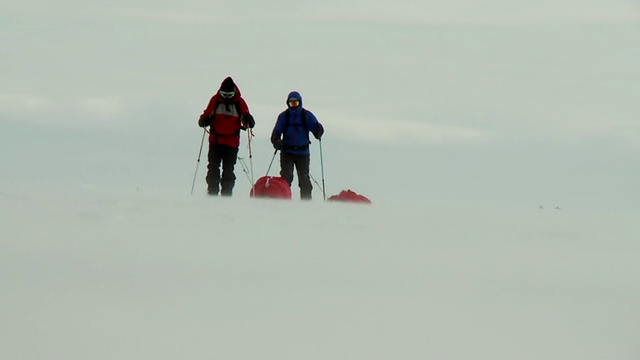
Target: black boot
{"points": [[227, 188], [305, 195]]}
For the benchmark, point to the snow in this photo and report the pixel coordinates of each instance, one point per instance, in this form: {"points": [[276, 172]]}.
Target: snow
{"points": [[495, 138], [145, 276]]}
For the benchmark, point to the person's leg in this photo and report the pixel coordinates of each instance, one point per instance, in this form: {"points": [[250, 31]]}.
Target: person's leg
{"points": [[213, 169], [304, 181], [228, 180], [286, 167]]}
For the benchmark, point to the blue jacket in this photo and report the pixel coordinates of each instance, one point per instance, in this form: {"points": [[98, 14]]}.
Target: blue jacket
{"points": [[294, 132]]}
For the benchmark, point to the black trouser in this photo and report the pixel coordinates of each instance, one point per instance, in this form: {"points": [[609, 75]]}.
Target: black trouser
{"points": [[227, 156], [301, 163]]}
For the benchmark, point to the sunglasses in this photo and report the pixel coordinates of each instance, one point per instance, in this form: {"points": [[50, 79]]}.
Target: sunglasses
{"points": [[227, 94], [294, 103]]}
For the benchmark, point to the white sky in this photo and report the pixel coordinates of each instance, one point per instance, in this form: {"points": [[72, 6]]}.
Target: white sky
{"points": [[459, 119], [524, 102]]}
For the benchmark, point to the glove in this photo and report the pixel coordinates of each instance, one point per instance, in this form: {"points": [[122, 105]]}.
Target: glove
{"points": [[319, 131], [204, 121], [277, 143], [248, 121]]}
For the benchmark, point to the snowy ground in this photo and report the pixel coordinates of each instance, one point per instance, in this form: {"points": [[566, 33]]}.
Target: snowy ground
{"points": [[95, 275], [457, 118]]}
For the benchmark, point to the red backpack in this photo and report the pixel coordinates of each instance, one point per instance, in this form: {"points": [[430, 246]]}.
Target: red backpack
{"points": [[271, 187], [350, 196]]}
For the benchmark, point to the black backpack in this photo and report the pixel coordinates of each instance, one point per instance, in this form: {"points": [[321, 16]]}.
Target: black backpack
{"points": [[303, 117]]}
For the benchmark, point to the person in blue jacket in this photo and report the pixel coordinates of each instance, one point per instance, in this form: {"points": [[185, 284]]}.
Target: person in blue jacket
{"points": [[290, 135]]}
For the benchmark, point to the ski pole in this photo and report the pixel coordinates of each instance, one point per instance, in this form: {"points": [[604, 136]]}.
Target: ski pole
{"points": [[245, 168], [198, 163], [324, 194], [271, 163], [249, 136]]}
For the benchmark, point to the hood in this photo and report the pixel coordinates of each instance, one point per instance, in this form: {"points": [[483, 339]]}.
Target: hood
{"points": [[229, 85], [294, 95]]}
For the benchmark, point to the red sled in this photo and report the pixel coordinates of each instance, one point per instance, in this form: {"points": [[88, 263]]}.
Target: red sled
{"points": [[271, 187], [350, 196]]}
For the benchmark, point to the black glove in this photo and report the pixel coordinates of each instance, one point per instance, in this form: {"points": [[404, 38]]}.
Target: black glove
{"points": [[319, 131], [248, 121], [204, 121], [277, 143]]}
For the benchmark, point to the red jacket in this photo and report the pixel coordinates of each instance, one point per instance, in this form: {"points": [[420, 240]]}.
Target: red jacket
{"points": [[225, 119]]}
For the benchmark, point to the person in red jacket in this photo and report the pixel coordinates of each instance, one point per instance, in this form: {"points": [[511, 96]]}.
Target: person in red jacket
{"points": [[226, 114]]}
